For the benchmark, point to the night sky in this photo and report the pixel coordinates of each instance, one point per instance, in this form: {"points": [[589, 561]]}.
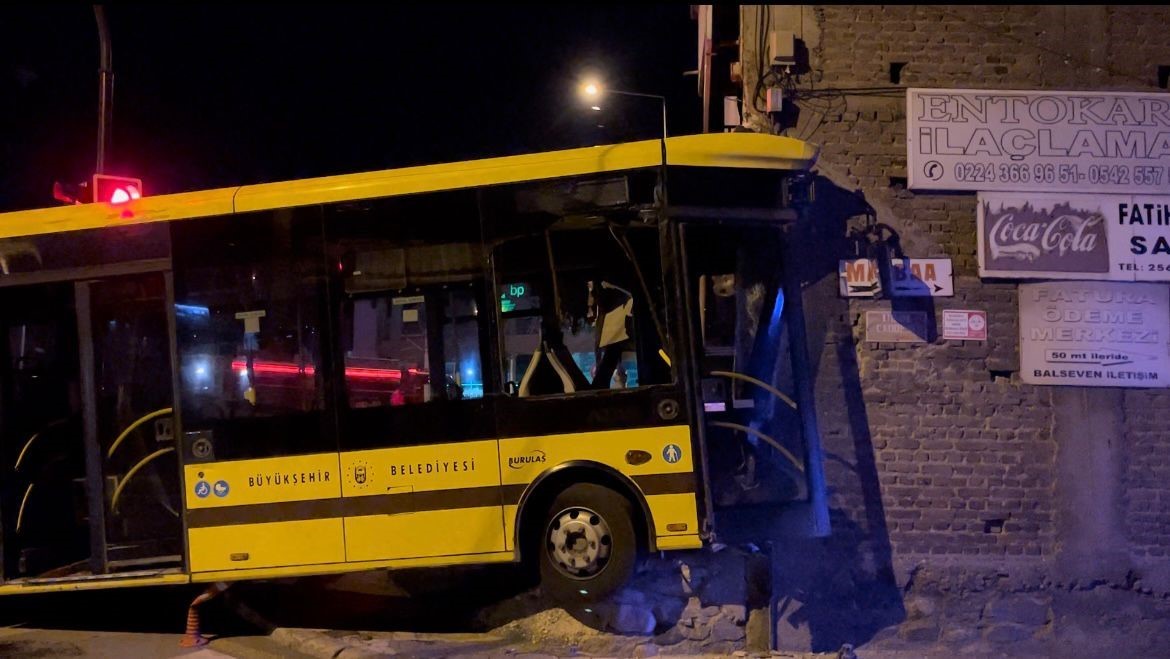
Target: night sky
{"points": [[219, 95]]}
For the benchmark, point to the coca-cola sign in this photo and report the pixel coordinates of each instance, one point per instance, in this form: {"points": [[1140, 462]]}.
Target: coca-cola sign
{"points": [[1069, 236], [1061, 238]]}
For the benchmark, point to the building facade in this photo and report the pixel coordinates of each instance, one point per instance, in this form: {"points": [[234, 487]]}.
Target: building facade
{"points": [[940, 459]]}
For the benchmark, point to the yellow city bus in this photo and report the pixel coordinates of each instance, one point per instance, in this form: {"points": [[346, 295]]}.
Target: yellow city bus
{"points": [[543, 357]]}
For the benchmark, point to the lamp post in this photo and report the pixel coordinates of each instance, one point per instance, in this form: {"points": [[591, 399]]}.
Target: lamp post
{"points": [[105, 88], [592, 90]]}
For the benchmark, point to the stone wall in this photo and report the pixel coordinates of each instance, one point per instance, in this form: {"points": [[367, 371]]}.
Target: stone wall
{"points": [[938, 453]]}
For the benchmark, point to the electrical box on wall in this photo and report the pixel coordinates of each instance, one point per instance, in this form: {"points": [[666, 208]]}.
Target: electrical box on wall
{"points": [[731, 118], [782, 47], [775, 99]]}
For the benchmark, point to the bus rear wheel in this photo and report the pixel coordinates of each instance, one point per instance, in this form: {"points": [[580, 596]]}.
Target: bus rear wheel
{"points": [[588, 547]]}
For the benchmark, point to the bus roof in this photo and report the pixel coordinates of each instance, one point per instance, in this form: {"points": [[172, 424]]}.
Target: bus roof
{"points": [[729, 150]]}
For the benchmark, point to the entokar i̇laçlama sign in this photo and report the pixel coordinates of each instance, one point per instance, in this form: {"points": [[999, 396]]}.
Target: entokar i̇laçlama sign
{"points": [[1070, 236], [1042, 141]]}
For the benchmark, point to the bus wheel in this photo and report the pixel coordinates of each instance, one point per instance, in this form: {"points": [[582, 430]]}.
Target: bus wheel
{"points": [[589, 544]]}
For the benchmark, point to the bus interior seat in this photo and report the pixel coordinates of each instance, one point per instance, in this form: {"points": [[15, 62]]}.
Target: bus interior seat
{"points": [[611, 356], [562, 360], [546, 374]]}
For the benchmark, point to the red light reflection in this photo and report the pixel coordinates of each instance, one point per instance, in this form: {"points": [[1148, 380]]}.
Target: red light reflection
{"points": [[351, 372]]}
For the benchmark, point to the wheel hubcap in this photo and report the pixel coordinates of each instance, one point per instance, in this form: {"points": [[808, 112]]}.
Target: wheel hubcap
{"points": [[578, 542]]}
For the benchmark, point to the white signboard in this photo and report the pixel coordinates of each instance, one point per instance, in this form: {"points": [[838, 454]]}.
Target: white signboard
{"points": [[251, 320], [896, 327], [974, 139], [858, 278], [909, 278], [964, 325], [1095, 334], [1071, 236]]}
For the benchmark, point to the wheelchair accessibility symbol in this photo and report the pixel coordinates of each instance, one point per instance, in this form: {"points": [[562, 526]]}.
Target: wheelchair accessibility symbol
{"points": [[672, 453], [202, 489]]}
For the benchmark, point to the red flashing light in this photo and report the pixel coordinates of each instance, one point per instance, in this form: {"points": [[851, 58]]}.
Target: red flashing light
{"points": [[116, 189]]}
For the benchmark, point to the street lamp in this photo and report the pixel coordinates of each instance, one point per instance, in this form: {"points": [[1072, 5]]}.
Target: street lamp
{"points": [[593, 90]]}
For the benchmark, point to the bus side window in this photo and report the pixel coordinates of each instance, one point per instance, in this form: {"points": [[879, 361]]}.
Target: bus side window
{"points": [[573, 314], [409, 277], [389, 347], [247, 318]]}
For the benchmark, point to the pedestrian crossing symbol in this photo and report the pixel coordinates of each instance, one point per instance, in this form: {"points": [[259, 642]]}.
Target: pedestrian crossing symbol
{"points": [[672, 453]]}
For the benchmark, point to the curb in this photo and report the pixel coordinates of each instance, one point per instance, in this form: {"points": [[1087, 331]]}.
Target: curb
{"points": [[325, 644], [321, 644], [313, 642]]}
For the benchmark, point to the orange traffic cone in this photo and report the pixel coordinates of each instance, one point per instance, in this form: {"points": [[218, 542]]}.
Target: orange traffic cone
{"points": [[192, 638]]}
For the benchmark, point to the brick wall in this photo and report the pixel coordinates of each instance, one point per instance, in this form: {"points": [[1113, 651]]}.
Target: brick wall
{"points": [[945, 451], [1147, 473]]}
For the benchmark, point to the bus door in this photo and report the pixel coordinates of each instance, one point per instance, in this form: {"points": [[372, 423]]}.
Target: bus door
{"points": [[262, 487], [129, 343], [43, 508], [749, 422], [90, 472], [419, 456]]}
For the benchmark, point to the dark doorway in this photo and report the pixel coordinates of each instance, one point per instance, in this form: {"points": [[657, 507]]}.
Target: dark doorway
{"points": [[87, 453], [42, 454]]}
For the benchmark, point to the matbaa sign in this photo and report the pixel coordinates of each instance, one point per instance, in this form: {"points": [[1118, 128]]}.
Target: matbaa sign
{"points": [[858, 278], [909, 278], [976, 139], [921, 278], [1031, 235], [1095, 334]]}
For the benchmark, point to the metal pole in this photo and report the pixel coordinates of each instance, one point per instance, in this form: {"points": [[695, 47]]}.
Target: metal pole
{"points": [[814, 460], [661, 99], [105, 88], [95, 489]]}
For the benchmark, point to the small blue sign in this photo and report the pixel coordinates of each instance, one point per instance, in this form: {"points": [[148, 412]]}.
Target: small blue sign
{"points": [[672, 453], [202, 489], [221, 489]]}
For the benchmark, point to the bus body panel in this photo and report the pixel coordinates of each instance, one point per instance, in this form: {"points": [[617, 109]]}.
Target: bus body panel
{"points": [[263, 512], [270, 544], [668, 488], [430, 500], [94, 583], [417, 501], [341, 568], [228, 485], [424, 534]]}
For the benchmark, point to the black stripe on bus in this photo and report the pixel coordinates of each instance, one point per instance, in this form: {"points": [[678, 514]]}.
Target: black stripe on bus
{"points": [[683, 483], [394, 504], [259, 513], [511, 494], [679, 483]]}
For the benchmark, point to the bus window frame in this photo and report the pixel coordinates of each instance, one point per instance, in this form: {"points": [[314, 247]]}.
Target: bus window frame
{"points": [[436, 321]]}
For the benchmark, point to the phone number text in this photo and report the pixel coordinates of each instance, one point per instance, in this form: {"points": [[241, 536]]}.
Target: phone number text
{"points": [[979, 172]]}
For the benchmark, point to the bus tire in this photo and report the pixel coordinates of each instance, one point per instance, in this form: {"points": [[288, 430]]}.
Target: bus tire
{"points": [[588, 547]]}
